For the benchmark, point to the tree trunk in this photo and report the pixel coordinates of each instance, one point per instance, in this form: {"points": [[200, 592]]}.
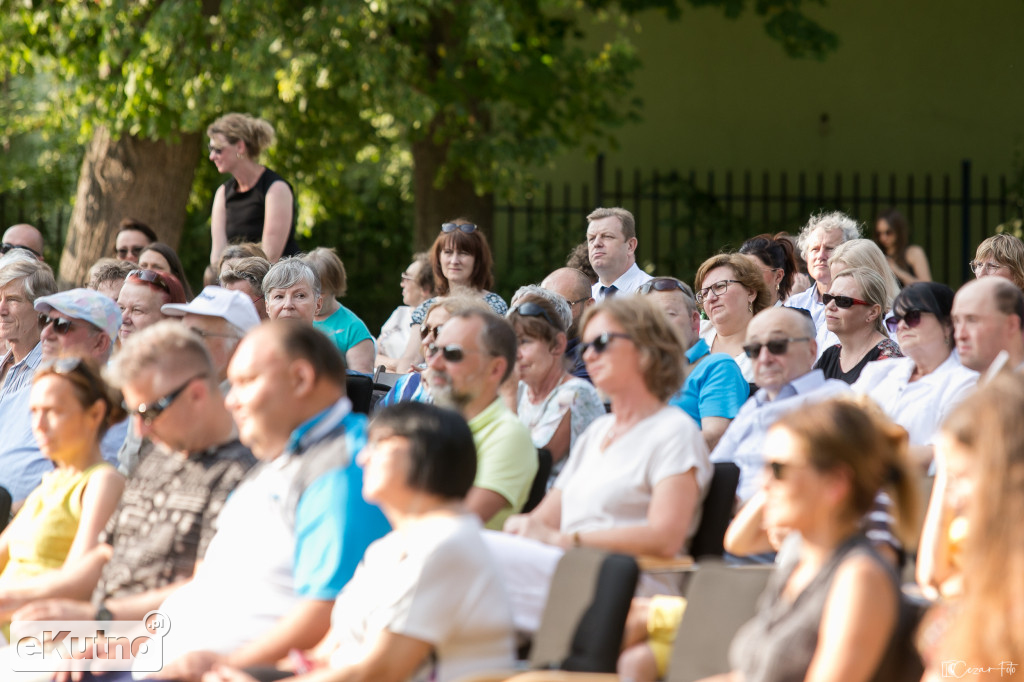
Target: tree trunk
{"points": [[436, 205], [148, 180]]}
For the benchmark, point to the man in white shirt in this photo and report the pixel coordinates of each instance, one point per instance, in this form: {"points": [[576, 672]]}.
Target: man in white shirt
{"points": [[988, 317], [611, 245], [817, 240]]}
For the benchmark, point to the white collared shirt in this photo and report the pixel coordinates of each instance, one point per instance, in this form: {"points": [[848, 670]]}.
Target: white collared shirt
{"points": [[627, 283]]}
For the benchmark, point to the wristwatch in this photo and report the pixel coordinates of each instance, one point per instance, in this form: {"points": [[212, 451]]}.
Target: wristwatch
{"points": [[103, 613]]}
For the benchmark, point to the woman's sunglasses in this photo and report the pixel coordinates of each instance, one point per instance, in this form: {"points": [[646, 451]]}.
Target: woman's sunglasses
{"points": [[426, 330], [600, 344], [451, 227], [911, 317], [843, 302]]}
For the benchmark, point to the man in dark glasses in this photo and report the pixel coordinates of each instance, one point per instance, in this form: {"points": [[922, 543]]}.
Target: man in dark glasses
{"points": [[22, 281], [574, 286], [988, 318], [167, 514], [473, 355], [25, 237], [611, 245], [82, 322], [781, 344]]}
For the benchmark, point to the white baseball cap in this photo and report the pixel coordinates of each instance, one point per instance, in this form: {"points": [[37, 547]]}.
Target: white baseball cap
{"points": [[233, 306]]}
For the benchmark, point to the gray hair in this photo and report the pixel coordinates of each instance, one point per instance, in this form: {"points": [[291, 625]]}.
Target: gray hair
{"points": [[36, 277], [836, 220], [288, 272], [557, 301]]}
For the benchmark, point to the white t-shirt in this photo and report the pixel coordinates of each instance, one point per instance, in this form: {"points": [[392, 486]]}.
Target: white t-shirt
{"points": [[920, 406], [394, 335], [612, 488], [433, 580], [709, 333]]}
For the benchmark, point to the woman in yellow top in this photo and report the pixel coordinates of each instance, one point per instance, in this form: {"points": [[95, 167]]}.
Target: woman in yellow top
{"points": [[61, 519]]}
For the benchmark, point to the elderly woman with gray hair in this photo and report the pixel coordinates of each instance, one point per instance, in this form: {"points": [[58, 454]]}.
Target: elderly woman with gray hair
{"points": [[554, 405], [292, 289]]}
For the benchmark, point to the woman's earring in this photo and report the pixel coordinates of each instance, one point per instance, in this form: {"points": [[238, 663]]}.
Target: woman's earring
{"points": [[750, 306]]}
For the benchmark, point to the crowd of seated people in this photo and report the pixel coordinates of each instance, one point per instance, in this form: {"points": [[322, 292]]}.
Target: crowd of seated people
{"points": [[201, 456]]}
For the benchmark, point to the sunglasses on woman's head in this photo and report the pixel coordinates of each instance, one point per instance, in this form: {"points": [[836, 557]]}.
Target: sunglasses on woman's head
{"points": [[774, 346], [6, 248], [531, 309], [150, 276], [843, 302], [911, 317], [465, 227], [600, 343]]}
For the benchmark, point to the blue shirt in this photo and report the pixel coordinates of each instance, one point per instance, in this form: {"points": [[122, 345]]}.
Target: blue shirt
{"points": [[333, 523], [715, 386], [22, 465], [575, 359], [743, 441], [408, 388]]}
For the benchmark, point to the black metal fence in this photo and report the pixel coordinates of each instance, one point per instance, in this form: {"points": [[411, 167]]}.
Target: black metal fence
{"points": [[682, 218]]}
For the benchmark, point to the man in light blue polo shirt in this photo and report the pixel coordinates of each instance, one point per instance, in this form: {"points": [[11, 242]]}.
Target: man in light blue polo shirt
{"points": [[291, 535]]}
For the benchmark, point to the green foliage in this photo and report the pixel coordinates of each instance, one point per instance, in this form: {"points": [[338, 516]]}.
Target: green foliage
{"points": [[498, 86]]}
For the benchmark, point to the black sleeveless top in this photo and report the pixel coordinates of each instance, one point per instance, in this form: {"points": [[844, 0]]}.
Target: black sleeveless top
{"points": [[245, 211]]}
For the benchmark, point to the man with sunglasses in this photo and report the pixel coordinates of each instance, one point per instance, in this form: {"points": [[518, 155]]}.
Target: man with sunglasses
{"points": [[166, 518], [24, 237], [473, 355], [82, 322], [22, 281], [611, 245], [780, 342], [574, 286]]}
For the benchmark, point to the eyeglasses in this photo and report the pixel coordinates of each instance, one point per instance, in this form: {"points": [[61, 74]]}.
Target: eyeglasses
{"points": [[134, 250], [774, 346], [465, 227], [531, 309], [843, 302], [978, 267], [407, 278], [600, 344], [718, 288], [579, 300], [61, 325], [451, 353], [667, 284], [911, 317], [151, 277], [149, 412], [215, 150], [6, 248], [426, 330]]}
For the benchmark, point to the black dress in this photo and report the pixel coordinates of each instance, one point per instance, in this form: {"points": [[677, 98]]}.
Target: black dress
{"points": [[829, 360], [245, 211]]}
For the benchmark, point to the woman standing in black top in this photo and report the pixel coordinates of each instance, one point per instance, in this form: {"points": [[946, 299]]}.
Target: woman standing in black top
{"points": [[256, 204]]}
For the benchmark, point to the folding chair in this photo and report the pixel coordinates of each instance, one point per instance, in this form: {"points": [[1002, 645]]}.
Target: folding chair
{"points": [[716, 512], [5, 507]]}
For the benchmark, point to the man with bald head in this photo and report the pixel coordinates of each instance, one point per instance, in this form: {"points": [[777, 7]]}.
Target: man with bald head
{"points": [[988, 317], [574, 286], [23, 236], [780, 342]]}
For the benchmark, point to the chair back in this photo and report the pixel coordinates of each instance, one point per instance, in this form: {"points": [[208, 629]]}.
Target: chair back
{"points": [[585, 614], [719, 600], [5, 507], [539, 488], [716, 512], [385, 378], [359, 389]]}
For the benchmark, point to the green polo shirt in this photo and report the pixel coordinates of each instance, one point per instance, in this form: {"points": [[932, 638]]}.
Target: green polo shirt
{"points": [[506, 461]]}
